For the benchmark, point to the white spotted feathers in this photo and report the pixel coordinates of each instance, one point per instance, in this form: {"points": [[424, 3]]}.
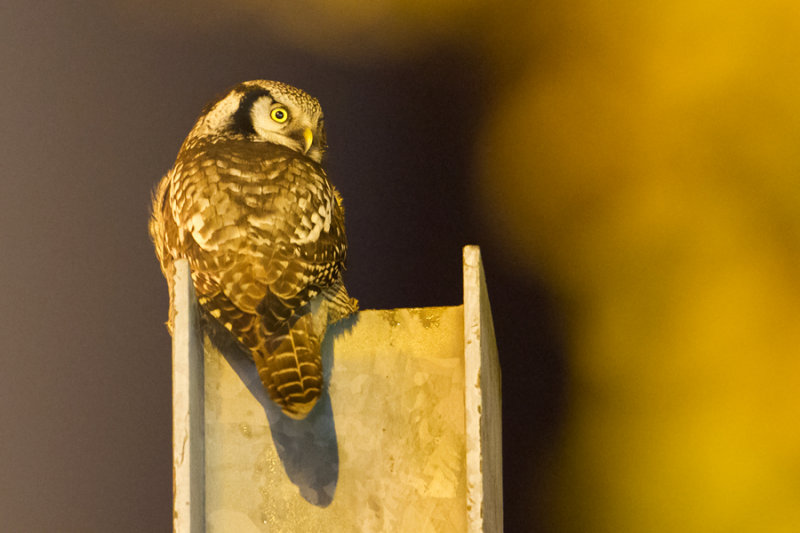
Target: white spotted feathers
{"points": [[249, 205]]}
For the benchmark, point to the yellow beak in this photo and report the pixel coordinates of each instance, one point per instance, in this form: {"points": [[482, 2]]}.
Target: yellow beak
{"points": [[309, 138]]}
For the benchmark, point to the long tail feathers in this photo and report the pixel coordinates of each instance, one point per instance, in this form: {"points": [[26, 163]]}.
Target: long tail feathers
{"points": [[288, 361], [291, 367]]}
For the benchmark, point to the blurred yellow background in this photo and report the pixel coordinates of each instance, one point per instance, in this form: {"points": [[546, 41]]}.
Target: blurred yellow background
{"points": [[644, 160], [641, 161], [651, 170]]}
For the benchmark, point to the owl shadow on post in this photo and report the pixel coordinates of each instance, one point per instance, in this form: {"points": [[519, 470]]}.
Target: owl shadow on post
{"points": [[308, 448]]}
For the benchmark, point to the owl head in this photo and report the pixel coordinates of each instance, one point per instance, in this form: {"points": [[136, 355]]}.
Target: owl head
{"points": [[266, 111]]}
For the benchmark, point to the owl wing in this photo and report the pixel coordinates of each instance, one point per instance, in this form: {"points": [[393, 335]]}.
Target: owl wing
{"points": [[260, 224]]}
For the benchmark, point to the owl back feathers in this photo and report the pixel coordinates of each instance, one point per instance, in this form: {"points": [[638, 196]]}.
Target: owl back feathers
{"points": [[263, 231]]}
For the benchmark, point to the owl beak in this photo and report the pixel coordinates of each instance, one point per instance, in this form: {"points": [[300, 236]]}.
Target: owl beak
{"points": [[309, 138]]}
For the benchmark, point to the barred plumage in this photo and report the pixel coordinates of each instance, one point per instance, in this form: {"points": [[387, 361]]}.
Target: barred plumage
{"points": [[249, 205]]}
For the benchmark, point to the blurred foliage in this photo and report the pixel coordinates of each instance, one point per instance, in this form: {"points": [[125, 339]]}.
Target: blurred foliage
{"points": [[643, 159], [651, 174]]}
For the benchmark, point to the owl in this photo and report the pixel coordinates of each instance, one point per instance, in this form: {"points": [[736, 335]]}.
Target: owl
{"points": [[249, 205]]}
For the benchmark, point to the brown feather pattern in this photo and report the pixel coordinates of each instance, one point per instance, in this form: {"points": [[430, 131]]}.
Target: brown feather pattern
{"points": [[263, 231]]}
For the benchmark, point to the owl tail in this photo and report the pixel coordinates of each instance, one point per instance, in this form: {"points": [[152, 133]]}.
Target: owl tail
{"points": [[291, 368]]}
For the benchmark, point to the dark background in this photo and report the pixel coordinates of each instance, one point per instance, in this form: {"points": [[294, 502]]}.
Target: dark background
{"points": [[630, 171], [95, 104]]}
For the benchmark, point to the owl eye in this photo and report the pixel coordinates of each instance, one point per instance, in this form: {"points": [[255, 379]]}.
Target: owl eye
{"points": [[279, 115]]}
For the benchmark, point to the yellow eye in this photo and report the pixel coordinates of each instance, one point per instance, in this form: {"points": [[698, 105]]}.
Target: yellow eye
{"points": [[279, 114]]}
